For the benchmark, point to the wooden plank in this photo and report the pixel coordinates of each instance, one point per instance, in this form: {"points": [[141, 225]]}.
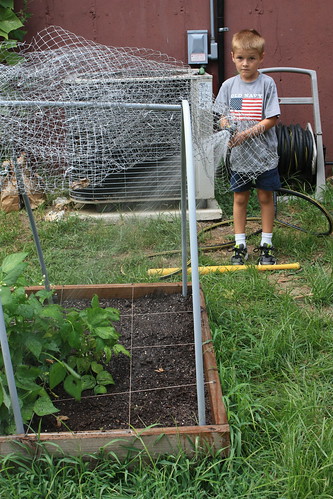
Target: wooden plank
{"points": [[219, 414], [154, 441], [135, 290]]}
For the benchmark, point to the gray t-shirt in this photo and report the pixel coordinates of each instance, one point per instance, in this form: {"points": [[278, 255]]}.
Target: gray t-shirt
{"points": [[248, 103]]}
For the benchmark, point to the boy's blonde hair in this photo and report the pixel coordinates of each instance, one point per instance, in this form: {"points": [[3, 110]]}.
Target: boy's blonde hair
{"points": [[248, 39]]}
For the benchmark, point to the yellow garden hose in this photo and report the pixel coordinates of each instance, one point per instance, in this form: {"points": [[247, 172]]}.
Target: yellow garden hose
{"points": [[225, 268]]}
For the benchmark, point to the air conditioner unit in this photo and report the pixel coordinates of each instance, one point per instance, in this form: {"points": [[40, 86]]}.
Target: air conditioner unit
{"points": [[136, 154]]}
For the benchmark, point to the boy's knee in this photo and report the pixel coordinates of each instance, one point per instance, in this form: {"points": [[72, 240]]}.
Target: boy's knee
{"points": [[241, 196], [240, 201], [265, 197]]}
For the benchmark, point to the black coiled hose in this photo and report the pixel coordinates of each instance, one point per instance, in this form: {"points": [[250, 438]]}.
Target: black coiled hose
{"points": [[295, 149]]}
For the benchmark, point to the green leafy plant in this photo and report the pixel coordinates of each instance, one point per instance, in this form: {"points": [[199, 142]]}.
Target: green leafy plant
{"points": [[51, 346], [11, 30]]}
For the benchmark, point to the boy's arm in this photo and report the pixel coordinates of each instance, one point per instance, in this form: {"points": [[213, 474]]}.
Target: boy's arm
{"points": [[257, 129]]}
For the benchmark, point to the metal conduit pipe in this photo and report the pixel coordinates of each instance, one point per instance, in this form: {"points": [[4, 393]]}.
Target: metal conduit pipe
{"points": [[190, 177], [212, 21], [213, 52], [221, 30], [10, 374], [93, 104]]}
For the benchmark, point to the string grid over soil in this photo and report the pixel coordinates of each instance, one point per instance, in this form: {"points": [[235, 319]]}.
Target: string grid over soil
{"points": [[156, 385]]}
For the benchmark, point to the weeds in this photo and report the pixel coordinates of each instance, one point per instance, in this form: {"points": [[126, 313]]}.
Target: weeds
{"points": [[320, 280]]}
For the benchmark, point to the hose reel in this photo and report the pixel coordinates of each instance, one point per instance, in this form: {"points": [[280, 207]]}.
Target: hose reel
{"points": [[297, 152]]}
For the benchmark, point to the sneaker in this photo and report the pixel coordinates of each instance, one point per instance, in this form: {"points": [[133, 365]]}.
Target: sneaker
{"points": [[266, 255], [240, 254]]}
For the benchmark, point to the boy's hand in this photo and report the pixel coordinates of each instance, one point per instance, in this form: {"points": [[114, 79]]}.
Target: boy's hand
{"points": [[224, 122], [241, 137], [254, 131], [237, 139]]}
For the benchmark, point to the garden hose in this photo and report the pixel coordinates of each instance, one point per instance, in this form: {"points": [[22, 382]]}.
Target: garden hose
{"points": [[225, 268], [228, 244], [294, 194], [296, 152]]}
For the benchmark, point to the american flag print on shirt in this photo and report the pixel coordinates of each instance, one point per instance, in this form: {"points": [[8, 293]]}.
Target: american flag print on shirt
{"points": [[246, 108]]}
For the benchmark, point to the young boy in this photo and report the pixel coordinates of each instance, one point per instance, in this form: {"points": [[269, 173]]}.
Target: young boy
{"points": [[253, 96]]}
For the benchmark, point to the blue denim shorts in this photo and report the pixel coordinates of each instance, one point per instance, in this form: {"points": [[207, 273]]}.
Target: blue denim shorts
{"points": [[267, 181]]}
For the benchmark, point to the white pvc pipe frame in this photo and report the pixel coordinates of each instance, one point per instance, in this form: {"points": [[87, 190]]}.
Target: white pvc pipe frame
{"points": [[187, 179]]}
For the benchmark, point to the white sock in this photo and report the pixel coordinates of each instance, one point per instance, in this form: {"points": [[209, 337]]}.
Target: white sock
{"points": [[266, 237], [240, 239]]}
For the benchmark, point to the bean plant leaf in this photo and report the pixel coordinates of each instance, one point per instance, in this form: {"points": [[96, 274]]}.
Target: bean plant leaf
{"points": [[34, 345], [73, 387], [26, 376], [118, 348], [12, 276], [82, 364], [11, 261], [73, 337], [108, 353], [52, 346], [27, 411], [106, 333], [57, 374], [113, 313], [44, 406], [104, 378], [20, 294], [100, 389], [99, 345], [43, 295], [52, 311], [25, 372], [88, 382], [96, 367], [25, 310], [5, 399], [95, 317], [5, 296], [95, 302], [28, 386]]}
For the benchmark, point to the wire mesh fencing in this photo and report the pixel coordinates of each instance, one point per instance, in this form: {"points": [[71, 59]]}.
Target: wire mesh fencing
{"points": [[69, 120]]}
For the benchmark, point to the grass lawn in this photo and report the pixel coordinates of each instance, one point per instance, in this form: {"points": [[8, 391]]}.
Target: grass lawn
{"points": [[273, 336]]}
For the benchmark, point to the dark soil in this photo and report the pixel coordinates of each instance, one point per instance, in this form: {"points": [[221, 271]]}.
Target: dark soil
{"points": [[155, 386]]}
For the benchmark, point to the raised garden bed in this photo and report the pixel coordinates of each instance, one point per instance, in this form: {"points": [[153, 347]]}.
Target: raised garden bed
{"points": [[153, 402]]}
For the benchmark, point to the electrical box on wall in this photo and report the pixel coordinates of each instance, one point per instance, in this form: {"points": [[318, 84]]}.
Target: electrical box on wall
{"points": [[197, 46]]}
